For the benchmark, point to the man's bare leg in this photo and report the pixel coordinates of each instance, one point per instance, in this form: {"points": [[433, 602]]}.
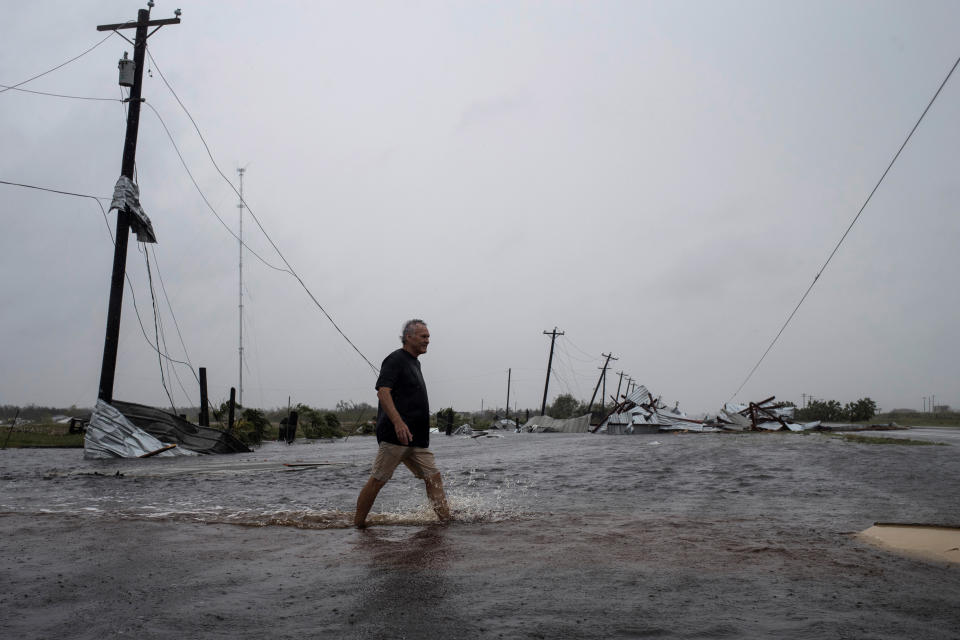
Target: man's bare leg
{"points": [[365, 501], [437, 497]]}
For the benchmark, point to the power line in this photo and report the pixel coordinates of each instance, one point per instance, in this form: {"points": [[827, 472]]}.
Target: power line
{"points": [[126, 275], [56, 95], [39, 75], [136, 310], [592, 357], [65, 193], [257, 220], [842, 238], [163, 288], [592, 360], [156, 331], [96, 199], [204, 197]]}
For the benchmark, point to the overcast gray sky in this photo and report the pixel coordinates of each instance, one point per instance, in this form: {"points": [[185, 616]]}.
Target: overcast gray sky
{"points": [[659, 180]]}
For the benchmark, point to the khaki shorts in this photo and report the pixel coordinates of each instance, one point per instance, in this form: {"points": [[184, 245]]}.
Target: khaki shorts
{"points": [[419, 460]]}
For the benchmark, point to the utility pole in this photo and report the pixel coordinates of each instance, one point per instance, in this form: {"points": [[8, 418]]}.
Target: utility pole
{"points": [[241, 171], [603, 379], [509, 371], [553, 338], [603, 376], [618, 385], [115, 305]]}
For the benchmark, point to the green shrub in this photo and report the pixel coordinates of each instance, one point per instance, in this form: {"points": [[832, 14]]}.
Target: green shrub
{"points": [[251, 427], [318, 424]]}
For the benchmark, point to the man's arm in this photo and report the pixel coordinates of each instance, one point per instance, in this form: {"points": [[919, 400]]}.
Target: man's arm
{"points": [[386, 401]]}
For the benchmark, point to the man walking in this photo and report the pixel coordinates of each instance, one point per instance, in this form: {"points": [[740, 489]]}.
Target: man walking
{"points": [[403, 424]]}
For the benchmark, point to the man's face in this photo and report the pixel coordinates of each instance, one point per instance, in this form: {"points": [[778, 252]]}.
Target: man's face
{"points": [[418, 340]]}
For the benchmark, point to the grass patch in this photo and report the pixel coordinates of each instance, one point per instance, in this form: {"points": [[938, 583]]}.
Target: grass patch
{"points": [[847, 437], [39, 434], [942, 419], [20, 439]]}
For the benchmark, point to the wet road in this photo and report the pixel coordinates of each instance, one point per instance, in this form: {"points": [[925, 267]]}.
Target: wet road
{"points": [[555, 535]]}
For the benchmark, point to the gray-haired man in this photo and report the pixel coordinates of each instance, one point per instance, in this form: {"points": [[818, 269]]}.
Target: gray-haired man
{"points": [[403, 424]]}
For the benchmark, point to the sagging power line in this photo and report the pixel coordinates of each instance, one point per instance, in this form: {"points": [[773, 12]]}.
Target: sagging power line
{"points": [[845, 233], [254, 217]]}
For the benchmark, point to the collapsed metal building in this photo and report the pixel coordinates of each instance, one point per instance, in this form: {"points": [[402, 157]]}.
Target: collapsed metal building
{"points": [[641, 412]]}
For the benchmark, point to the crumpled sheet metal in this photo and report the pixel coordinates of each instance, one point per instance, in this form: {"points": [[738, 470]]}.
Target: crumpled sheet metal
{"points": [[640, 395], [546, 424], [126, 197], [110, 435]]}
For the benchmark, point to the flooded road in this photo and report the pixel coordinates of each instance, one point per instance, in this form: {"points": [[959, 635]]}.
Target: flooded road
{"points": [[554, 535]]}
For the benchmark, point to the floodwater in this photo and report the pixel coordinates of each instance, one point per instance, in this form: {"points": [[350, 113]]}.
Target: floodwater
{"points": [[554, 536]]}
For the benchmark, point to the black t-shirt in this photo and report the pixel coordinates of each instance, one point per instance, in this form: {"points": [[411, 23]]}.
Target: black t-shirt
{"points": [[400, 372]]}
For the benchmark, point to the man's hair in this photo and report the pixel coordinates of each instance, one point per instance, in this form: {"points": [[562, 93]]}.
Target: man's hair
{"points": [[408, 328]]}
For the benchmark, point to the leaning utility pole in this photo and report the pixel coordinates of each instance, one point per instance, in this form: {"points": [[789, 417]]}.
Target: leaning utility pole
{"points": [[509, 371], [602, 378], [124, 214], [553, 338], [241, 171], [618, 385]]}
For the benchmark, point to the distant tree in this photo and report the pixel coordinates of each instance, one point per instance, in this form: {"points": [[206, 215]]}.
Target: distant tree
{"points": [[825, 410], [861, 410], [317, 423], [333, 422], [351, 414], [565, 406]]}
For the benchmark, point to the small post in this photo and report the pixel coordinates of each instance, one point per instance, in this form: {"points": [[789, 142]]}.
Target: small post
{"points": [[292, 426], [12, 425], [233, 402], [509, 372], [204, 399]]}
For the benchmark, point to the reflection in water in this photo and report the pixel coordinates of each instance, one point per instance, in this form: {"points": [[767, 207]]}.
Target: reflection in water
{"points": [[408, 584]]}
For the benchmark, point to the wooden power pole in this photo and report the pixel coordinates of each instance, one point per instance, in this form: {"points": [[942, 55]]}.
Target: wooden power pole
{"points": [[109, 367], [553, 338], [603, 379], [509, 372]]}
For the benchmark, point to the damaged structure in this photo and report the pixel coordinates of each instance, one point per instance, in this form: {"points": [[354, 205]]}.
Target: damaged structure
{"points": [[641, 412], [761, 416], [546, 424], [128, 430]]}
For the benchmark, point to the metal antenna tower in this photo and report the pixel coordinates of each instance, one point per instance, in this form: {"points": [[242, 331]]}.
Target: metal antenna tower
{"points": [[241, 171]]}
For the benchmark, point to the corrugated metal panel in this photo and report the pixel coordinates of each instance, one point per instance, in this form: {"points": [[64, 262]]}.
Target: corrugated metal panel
{"points": [[110, 435], [640, 395], [542, 424]]}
